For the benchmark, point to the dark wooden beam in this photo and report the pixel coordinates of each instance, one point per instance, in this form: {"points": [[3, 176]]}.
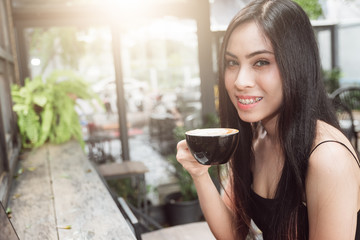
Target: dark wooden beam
{"points": [[101, 13], [207, 75], [22, 55], [120, 94]]}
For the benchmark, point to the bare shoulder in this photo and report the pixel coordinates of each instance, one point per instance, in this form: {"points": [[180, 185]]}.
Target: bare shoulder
{"points": [[335, 155], [332, 185], [325, 131], [332, 164], [333, 159]]}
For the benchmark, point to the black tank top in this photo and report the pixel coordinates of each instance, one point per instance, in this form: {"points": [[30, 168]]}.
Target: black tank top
{"points": [[263, 210]]}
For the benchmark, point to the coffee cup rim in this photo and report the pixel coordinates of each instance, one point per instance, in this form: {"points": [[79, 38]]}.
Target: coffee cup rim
{"points": [[233, 131]]}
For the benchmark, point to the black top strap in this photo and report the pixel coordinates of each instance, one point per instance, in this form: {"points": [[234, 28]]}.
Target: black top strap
{"points": [[356, 159]]}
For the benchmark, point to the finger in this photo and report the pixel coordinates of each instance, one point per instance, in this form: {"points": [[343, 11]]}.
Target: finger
{"points": [[182, 144], [183, 156]]}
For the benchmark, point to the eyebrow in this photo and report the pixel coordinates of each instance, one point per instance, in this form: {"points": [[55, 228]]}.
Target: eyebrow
{"points": [[251, 54]]}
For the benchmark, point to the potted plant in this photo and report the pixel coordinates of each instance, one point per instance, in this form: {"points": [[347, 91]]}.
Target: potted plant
{"points": [[183, 206], [46, 108]]}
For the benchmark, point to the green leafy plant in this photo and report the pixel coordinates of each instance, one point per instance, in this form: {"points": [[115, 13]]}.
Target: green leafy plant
{"points": [[186, 184], [126, 189], [331, 79], [311, 7], [46, 108]]}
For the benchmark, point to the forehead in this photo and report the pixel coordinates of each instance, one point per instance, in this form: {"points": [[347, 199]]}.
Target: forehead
{"points": [[250, 37]]}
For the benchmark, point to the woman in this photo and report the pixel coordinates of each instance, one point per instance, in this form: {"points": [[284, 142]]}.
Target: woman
{"points": [[294, 173]]}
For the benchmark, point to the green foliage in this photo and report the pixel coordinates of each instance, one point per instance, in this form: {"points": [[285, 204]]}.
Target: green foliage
{"points": [[211, 121], [311, 7], [126, 189], [46, 109], [331, 79]]}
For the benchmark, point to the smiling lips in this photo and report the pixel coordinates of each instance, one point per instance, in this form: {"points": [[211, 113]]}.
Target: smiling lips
{"points": [[248, 102]]}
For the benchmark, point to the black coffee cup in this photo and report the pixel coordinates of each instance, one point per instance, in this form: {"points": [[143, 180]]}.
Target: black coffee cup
{"points": [[212, 146]]}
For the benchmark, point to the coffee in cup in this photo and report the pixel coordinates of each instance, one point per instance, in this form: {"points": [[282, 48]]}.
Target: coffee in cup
{"points": [[212, 146]]}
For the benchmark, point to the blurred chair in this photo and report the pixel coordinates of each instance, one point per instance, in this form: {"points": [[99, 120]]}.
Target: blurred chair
{"points": [[128, 169], [99, 152], [346, 101], [138, 221]]}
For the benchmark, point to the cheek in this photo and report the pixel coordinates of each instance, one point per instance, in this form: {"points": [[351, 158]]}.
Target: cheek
{"points": [[229, 86], [275, 92], [229, 89], [272, 83]]}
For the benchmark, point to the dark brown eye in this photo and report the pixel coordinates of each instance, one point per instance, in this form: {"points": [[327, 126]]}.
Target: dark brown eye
{"points": [[230, 63], [261, 63]]}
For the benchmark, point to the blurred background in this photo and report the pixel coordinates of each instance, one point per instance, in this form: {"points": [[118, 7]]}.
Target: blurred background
{"points": [[152, 64]]}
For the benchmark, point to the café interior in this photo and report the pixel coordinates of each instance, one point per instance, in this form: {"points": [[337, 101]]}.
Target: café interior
{"points": [[151, 66]]}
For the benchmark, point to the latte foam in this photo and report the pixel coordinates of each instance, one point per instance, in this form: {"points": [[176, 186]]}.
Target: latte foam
{"points": [[212, 132]]}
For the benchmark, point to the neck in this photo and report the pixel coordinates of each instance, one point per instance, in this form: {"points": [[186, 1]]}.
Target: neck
{"points": [[270, 130]]}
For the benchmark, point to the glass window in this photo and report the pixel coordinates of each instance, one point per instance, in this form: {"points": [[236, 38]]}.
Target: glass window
{"points": [[324, 40], [162, 90], [222, 11], [84, 50], [162, 59], [87, 51], [348, 58], [159, 61]]}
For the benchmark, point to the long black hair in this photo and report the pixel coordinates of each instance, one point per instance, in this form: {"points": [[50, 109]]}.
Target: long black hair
{"points": [[305, 101]]}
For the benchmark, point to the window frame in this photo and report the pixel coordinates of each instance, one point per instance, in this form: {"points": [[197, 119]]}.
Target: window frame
{"points": [[10, 144]]}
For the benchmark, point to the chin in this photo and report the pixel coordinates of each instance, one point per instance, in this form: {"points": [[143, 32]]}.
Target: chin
{"points": [[247, 117]]}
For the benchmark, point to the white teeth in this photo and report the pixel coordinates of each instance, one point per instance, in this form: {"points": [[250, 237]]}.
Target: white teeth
{"points": [[249, 101]]}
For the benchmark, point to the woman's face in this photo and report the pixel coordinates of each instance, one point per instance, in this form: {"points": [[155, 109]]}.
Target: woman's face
{"points": [[252, 77]]}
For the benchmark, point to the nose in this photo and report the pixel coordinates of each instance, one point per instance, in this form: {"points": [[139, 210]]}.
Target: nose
{"points": [[244, 79]]}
